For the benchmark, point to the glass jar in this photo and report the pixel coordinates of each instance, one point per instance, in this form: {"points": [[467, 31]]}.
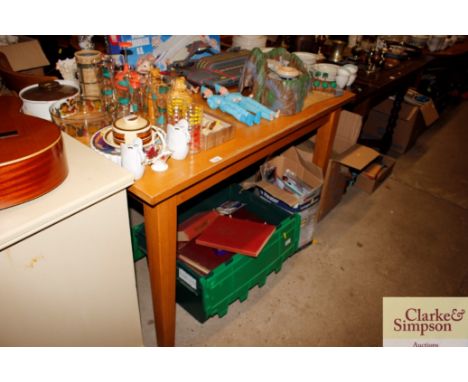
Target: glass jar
{"points": [[89, 65], [195, 117], [108, 81], [156, 97], [176, 110], [178, 101]]}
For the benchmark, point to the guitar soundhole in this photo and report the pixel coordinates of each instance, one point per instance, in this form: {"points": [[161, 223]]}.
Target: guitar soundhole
{"points": [[8, 134]]}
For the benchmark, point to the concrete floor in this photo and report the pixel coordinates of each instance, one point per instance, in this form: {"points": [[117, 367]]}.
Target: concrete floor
{"points": [[409, 238]]}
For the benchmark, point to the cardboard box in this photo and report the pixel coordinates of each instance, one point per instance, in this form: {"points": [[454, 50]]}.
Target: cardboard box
{"points": [[166, 48], [412, 121], [427, 109], [141, 45], [25, 55], [346, 155], [336, 176], [429, 113], [373, 167], [347, 131], [307, 209], [374, 175]]}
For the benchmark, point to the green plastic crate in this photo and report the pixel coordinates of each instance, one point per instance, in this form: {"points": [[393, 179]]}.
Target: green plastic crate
{"points": [[204, 296], [138, 242]]}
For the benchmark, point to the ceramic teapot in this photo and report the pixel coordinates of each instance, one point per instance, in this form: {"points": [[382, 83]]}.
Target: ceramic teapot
{"points": [[178, 139], [133, 157]]}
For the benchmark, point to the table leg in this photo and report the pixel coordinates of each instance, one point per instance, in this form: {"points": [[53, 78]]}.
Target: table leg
{"points": [[161, 229], [324, 142], [387, 138]]}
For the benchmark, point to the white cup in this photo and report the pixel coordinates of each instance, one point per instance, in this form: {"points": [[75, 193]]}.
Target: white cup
{"points": [[353, 69], [343, 71], [352, 78], [342, 80]]}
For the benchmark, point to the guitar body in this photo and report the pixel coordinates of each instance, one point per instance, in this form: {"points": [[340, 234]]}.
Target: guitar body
{"points": [[32, 157]]}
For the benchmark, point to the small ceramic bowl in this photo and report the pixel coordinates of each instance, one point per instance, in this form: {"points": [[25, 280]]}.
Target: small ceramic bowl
{"points": [[307, 58]]}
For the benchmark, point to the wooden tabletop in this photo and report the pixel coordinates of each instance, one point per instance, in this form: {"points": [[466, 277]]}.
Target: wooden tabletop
{"points": [[373, 88], [155, 187], [456, 49]]}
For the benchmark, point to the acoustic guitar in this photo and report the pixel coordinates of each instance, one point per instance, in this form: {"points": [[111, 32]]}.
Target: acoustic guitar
{"points": [[32, 157]]}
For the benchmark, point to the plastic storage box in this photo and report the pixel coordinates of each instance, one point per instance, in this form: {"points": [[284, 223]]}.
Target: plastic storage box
{"points": [[204, 296], [138, 242]]}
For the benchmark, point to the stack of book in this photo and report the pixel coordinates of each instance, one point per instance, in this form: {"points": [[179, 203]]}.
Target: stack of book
{"points": [[209, 239]]}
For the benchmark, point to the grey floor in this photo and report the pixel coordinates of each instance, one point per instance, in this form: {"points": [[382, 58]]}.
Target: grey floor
{"points": [[409, 238]]}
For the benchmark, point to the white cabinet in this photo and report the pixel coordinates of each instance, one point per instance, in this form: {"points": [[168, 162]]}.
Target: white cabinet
{"points": [[66, 267]]}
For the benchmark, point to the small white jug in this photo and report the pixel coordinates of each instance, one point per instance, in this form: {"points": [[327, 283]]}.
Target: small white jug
{"points": [[133, 158], [178, 139]]}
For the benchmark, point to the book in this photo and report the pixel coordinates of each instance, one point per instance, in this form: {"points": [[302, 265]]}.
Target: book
{"points": [[245, 214], [201, 258], [194, 226], [232, 234]]}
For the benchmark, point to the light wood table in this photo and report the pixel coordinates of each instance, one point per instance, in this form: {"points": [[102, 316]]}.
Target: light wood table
{"points": [[161, 193]]}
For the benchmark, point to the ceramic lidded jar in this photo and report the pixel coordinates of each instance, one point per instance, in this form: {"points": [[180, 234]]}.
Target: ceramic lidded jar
{"points": [[37, 99], [126, 129]]}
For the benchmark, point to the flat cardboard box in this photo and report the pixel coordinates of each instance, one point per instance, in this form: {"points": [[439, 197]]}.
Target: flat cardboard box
{"points": [[357, 157], [412, 121], [307, 209], [25, 55]]}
